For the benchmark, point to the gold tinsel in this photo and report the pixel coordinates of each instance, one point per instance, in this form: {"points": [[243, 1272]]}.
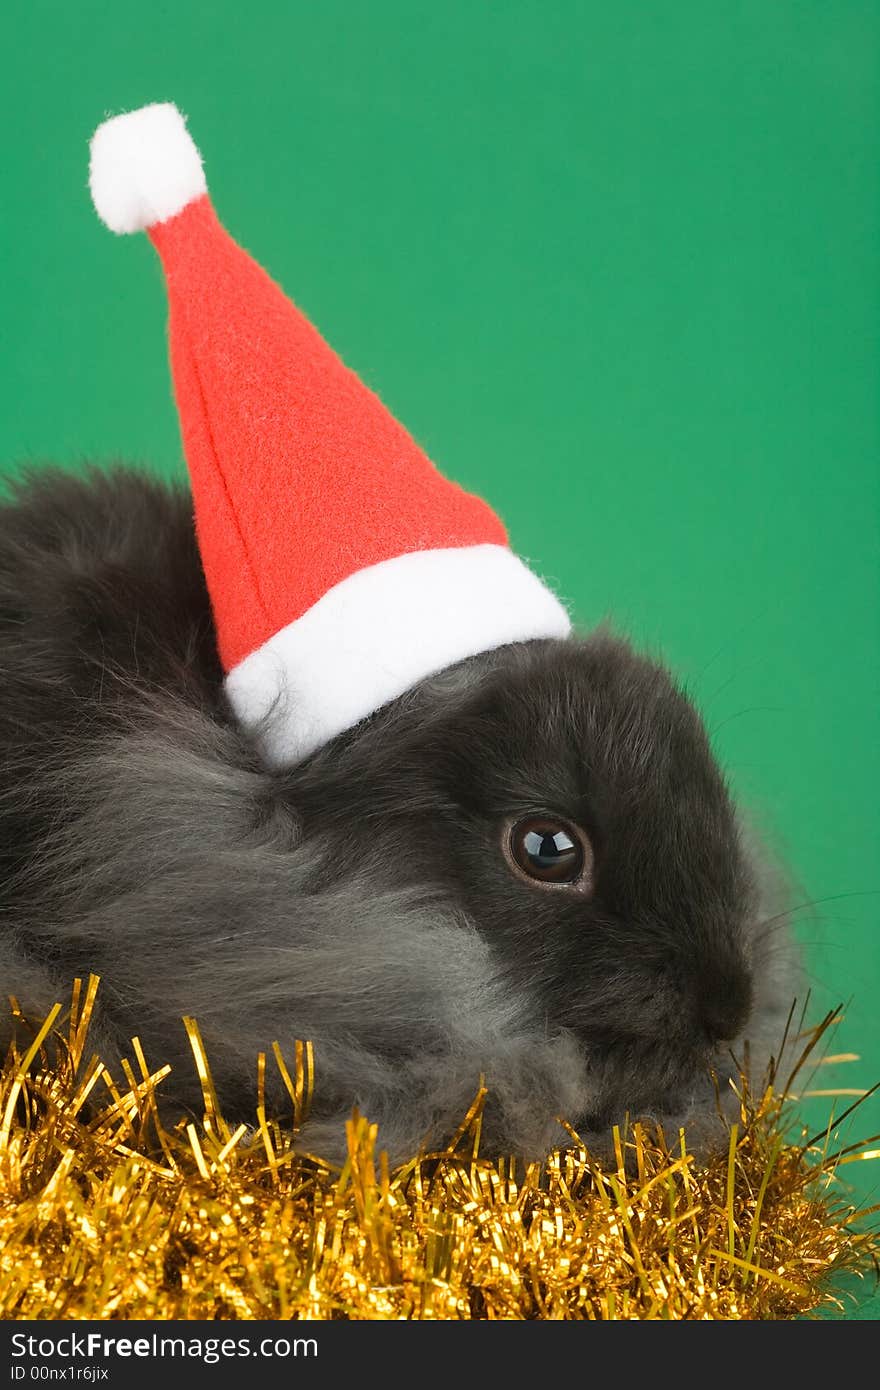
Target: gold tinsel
{"points": [[105, 1213]]}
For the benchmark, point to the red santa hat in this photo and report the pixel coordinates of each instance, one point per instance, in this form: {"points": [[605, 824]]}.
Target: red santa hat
{"points": [[342, 567]]}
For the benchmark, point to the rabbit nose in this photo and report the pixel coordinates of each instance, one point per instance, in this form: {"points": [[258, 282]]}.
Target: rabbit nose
{"points": [[723, 1000]]}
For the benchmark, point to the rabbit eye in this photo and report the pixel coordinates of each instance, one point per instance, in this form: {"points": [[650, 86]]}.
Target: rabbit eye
{"points": [[549, 851]]}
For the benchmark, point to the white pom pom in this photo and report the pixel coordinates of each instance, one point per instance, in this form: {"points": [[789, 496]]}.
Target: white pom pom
{"points": [[144, 168]]}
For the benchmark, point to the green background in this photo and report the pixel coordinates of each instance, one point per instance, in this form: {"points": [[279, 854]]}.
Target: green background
{"points": [[615, 266]]}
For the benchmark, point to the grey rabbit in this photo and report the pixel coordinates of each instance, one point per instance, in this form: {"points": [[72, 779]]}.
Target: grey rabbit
{"points": [[403, 814], [382, 898]]}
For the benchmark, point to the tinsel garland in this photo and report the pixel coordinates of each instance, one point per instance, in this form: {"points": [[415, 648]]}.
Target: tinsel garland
{"points": [[105, 1213]]}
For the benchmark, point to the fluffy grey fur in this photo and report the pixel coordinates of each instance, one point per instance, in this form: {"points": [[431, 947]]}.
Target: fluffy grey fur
{"points": [[362, 899]]}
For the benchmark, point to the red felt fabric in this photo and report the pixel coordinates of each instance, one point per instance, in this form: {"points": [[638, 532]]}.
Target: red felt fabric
{"points": [[300, 475]]}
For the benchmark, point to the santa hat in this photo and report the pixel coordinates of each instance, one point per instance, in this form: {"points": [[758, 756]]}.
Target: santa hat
{"points": [[342, 567]]}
